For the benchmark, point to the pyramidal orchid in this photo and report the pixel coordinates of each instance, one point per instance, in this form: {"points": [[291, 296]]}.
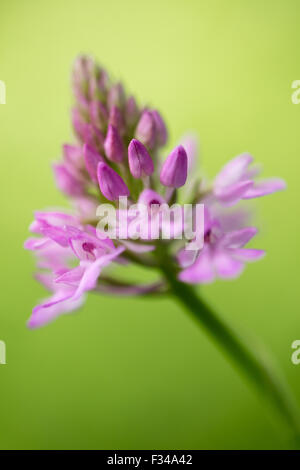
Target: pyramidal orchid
{"points": [[118, 152]]}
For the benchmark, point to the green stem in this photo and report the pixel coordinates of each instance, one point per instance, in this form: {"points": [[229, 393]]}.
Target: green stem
{"points": [[254, 367]]}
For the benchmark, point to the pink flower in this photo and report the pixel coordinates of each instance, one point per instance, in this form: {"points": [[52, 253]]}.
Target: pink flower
{"points": [[223, 255], [72, 253], [60, 245], [236, 181]]}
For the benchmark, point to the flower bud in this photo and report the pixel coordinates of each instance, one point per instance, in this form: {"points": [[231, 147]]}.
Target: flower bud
{"points": [[131, 111], [78, 123], [92, 136], [96, 91], [72, 154], [116, 96], [98, 114], [174, 170], [82, 70], [145, 131], [113, 145], [91, 159], [140, 162], [111, 184], [66, 182], [83, 67], [116, 119], [161, 129]]}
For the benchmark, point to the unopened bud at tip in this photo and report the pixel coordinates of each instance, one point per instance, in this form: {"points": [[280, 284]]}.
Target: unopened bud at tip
{"points": [[174, 170], [140, 162]]}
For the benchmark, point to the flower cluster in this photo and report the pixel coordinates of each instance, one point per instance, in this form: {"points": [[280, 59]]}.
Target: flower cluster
{"points": [[117, 154]]}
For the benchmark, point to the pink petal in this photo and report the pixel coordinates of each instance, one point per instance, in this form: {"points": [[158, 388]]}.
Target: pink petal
{"points": [[46, 279], [92, 272], [238, 238], [233, 171], [56, 218], [248, 254], [87, 246], [78, 244], [201, 271], [71, 277], [36, 243], [186, 257], [56, 234], [233, 193], [60, 303], [265, 187], [226, 266], [253, 171]]}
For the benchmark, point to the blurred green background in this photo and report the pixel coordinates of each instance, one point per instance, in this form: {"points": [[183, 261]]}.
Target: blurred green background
{"points": [[127, 373]]}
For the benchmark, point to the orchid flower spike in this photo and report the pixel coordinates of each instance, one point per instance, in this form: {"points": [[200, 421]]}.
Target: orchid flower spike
{"points": [[94, 170]]}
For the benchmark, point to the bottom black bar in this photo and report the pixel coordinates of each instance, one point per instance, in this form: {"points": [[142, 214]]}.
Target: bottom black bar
{"points": [[140, 459]]}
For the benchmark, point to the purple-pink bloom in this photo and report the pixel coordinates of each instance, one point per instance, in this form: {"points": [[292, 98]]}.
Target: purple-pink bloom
{"points": [[222, 256], [60, 245], [237, 181], [69, 288]]}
